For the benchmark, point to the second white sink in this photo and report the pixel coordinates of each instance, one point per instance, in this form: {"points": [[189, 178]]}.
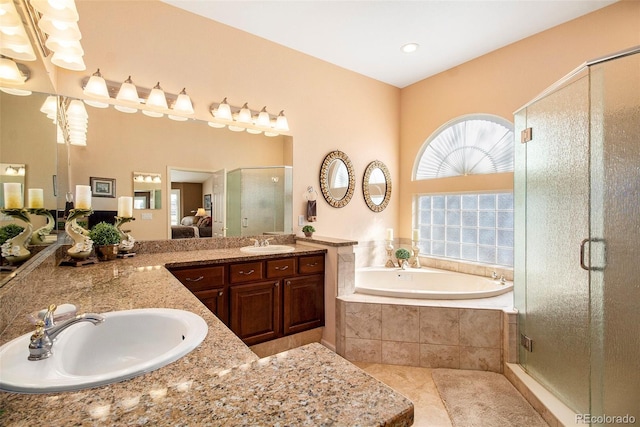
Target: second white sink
{"points": [[128, 343], [271, 249]]}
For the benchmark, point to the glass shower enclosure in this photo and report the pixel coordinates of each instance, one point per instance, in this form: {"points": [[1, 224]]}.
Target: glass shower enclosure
{"points": [[259, 201], [577, 234]]}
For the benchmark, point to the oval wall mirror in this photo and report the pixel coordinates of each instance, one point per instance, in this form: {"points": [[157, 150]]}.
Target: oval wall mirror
{"points": [[376, 186], [337, 180]]}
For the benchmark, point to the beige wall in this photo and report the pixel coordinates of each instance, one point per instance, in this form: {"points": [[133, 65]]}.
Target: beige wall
{"points": [[501, 82], [328, 108]]}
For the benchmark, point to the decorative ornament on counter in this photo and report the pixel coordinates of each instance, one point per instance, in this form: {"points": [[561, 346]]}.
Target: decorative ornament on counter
{"points": [[15, 248], [83, 245]]}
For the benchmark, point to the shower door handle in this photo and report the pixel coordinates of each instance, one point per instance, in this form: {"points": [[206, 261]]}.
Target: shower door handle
{"points": [[582, 255]]}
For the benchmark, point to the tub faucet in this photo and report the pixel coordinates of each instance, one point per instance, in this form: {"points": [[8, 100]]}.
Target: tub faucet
{"points": [[46, 331]]}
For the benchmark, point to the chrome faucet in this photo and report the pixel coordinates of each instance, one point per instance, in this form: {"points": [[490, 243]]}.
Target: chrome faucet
{"points": [[494, 276], [47, 331], [258, 243]]}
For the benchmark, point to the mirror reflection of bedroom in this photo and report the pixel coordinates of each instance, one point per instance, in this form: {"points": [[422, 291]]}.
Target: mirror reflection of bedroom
{"points": [[190, 204], [241, 202]]}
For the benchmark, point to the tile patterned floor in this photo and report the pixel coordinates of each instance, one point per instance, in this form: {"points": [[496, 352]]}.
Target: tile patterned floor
{"points": [[416, 384]]}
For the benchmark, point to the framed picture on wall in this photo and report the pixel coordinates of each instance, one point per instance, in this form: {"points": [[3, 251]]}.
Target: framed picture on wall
{"points": [[207, 202], [103, 187]]}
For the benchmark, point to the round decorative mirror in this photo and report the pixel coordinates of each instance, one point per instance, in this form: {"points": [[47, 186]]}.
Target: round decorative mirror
{"points": [[376, 186], [337, 180]]}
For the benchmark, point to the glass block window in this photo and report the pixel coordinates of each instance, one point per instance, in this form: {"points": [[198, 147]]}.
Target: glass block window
{"points": [[468, 145], [468, 227]]}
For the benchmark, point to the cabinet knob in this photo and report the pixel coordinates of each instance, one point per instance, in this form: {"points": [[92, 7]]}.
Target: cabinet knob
{"points": [[288, 283], [275, 285], [248, 273], [220, 293], [197, 279]]}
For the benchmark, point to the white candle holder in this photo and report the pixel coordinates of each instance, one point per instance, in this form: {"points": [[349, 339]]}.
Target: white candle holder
{"points": [[389, 249], [414, 262], [39, 236], [126, 240], [83, 245]]}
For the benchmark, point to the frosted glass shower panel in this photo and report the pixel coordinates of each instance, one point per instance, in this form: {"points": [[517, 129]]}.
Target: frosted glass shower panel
{"points": [[615, 225], [557, 206], [261, 202]]}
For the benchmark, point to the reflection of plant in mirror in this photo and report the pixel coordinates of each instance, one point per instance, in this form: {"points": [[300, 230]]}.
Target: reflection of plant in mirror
{"points": [[104, 233], [403, 254], [9, 231]]}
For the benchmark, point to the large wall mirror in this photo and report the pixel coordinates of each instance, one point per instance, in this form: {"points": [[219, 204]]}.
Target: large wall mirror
{"points": [[337, 179], [376, 186], [119, 144]]}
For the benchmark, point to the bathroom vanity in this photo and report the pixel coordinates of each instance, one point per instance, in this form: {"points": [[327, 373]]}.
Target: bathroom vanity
{"points": [[221, 382], [261, 299]]}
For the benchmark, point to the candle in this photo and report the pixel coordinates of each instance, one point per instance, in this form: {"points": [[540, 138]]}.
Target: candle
{"points": [[36, 198], [12, 195], [389, 234], [125, 207], [415, 236], [83, 197]]}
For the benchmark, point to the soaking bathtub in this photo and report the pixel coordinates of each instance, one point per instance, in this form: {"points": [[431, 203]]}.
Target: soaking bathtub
{"points": [[426, 283]]}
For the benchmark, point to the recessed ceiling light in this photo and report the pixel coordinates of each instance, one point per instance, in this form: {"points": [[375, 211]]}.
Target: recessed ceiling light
{"points": [[410, 47]]}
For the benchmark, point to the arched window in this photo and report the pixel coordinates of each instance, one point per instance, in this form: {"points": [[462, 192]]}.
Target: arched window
{"points": [[468, 145], [475, 226]]}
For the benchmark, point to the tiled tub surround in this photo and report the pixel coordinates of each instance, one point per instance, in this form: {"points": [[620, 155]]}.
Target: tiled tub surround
{"points": [[219, 383], [462, 334]]}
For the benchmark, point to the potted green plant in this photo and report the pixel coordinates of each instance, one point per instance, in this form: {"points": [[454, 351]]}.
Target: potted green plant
{"points": [[8, 232], [106, 239], [403, 255], [308, 230]]}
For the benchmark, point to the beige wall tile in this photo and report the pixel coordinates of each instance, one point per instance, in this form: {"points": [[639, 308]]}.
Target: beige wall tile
{"points": [[400, 323], [401, 353], [481, 328], [439, 325], [481, 359], [360, 350], [363, 321], [439, 356]]}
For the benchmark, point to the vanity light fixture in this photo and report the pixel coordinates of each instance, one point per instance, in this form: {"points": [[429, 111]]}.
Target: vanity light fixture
{"points": [[281, 122], [14, 42], [59, 20], [244, 115], [157, 102], [128, 97], [245, 119], [223, 112], [182, 107], [10, 73], [96, 88], [50, 108], [77, 123]]}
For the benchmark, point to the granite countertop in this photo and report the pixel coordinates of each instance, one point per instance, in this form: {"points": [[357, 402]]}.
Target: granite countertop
{"points": [[219, 383]]}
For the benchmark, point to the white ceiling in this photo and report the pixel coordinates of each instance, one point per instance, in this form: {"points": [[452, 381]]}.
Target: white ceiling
{"points": [[365, 36]]}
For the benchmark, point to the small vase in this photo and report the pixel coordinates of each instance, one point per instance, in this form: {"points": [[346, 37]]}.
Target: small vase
{"points": [[106, 252], [308, 234]]}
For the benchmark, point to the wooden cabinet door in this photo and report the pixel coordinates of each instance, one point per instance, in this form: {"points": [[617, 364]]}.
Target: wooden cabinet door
{"points": [[216, 301], [255, 311], [311, 264], [303, 303], [200, 278]]}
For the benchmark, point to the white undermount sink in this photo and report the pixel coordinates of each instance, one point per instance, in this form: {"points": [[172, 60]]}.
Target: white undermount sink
{"points": [[127, 344], [270, 249]]}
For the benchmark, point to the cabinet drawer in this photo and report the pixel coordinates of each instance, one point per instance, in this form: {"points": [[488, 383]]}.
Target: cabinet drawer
{"points": [[311, 264], [246, 272], [199, 279], [281, 267]]}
